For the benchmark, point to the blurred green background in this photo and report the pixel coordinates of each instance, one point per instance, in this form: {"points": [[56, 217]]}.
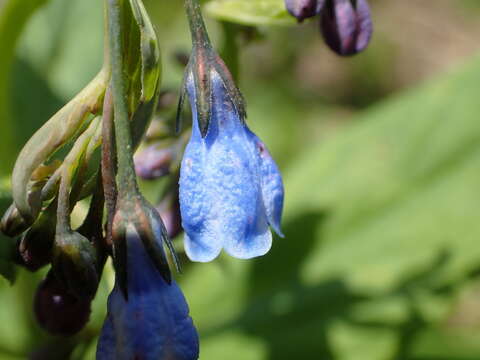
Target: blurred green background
{"points": [[381, 161]]}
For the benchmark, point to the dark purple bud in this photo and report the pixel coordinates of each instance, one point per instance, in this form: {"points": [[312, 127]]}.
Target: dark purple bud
{"points": [[346, 26], [153, 162], [75, 264], [58, 312], [302, 9], [35, 249]]}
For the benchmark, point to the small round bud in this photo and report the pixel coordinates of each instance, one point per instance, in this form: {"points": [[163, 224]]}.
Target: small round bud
{"points": [[58, 312], [75, 264]]}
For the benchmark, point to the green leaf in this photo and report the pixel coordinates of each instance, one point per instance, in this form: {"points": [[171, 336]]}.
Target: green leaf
{"points": [[251, 12], [398, 190]]}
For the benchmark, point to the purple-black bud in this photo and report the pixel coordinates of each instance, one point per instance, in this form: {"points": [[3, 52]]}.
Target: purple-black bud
{"points": [[346, 26], [153, 162], [302, 9], [75, 264], [57, 311], [35, 249]]}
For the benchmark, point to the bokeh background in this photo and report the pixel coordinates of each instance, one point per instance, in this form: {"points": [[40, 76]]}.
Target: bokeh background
{"points": [[381, 161]]}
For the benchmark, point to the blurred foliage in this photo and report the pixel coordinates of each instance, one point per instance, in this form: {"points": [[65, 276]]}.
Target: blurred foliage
{"points": [[380, 259], [258, 12]]}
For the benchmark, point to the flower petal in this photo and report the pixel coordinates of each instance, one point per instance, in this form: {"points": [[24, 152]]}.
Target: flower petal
{"points": [[272, 185]]}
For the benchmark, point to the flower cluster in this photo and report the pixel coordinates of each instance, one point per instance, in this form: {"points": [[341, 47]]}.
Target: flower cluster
{"points": [[225, 190], [147, 314], [346, 25]]}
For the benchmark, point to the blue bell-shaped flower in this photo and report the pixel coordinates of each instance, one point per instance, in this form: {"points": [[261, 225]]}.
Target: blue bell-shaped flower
{"points": [[230, 187], [231, 191], [153, 324]]}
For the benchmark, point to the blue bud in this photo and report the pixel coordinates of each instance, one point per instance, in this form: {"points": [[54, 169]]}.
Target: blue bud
{"points": [[153, 324], [230, 188]]}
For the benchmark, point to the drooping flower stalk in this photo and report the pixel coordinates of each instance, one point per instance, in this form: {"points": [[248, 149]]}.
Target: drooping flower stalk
{"points": [[74, 257]]}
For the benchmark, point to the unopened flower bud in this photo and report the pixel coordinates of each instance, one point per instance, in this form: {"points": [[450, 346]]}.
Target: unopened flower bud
{"points": [[75, 264], [12, 223], [346, 26], [57, 311], [35, 248], [302, 9], [153, 162]]}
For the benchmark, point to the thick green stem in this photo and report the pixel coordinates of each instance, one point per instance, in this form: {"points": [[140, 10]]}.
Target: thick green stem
{"points": [[126, 178], [197, 25]]}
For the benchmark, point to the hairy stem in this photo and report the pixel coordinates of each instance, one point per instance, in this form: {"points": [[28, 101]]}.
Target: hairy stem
{"points": [[197, 25], [126, 178]]}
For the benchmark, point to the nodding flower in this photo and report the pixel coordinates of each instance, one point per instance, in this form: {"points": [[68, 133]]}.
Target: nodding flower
{"points": [[153, 323], [231, 191]]}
